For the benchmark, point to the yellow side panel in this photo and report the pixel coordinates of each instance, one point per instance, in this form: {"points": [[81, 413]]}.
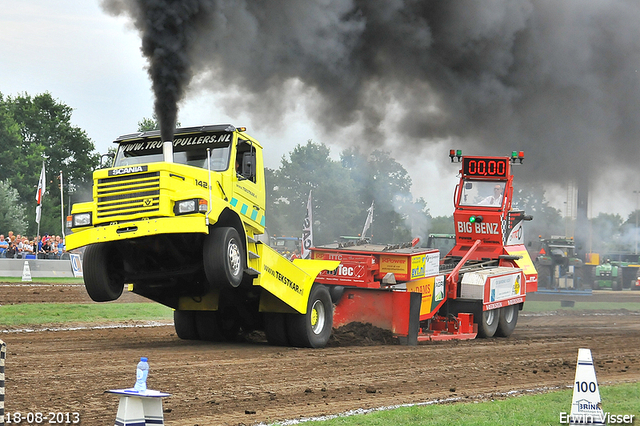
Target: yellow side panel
{"points": [[525, 262], [593, 259], [313, 267], [287, 281]]}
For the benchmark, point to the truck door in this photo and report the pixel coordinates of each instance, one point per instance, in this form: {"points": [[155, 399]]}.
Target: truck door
{"points": [[248, 193]]}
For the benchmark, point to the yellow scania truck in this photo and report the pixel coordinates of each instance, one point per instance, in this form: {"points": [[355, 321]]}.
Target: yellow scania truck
{"points": [[179, 222]]}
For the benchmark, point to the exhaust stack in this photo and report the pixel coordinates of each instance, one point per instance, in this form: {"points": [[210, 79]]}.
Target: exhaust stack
{"points": [[167, 151]]}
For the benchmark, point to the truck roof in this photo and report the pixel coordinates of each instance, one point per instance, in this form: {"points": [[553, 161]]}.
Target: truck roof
{"points": [[153, 134]]}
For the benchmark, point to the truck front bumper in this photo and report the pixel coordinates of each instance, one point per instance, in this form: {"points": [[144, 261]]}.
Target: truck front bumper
{"points": [[137, 229]]}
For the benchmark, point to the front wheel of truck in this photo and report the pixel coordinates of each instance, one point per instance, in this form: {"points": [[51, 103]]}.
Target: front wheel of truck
{"points": [[224, 257], [102, 266]]}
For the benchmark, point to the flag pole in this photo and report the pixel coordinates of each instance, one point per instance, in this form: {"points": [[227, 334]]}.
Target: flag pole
{"points": [[42, 187], [307, 231], [62, 206]]}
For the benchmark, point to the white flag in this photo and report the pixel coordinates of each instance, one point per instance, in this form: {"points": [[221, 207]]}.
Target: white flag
{"points": [[42, 186], [307, 231], [38, 213], [368, 222]]}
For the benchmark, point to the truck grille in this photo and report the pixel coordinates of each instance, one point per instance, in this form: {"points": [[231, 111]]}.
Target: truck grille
{"points": [[128, 195]]}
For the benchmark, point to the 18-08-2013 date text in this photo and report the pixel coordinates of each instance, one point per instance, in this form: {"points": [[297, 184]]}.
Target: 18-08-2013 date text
{"points": [[37, 417]]}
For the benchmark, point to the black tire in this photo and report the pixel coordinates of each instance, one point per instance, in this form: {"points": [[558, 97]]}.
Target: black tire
{"points": [[185, 324], [616, 283], [224, 258], [313, 329], [102, 269], [275, 328], [508, 320], [215, 326], [544, 276], [487, 322], [228, 323], [578, 278], [207, 326]]}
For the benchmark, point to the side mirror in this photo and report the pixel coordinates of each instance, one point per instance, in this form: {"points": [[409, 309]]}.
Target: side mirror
{"points": [[110, 156], [249, 165]]}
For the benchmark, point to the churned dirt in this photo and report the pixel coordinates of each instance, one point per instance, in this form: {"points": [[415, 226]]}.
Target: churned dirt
{"points": [[250, 382]]}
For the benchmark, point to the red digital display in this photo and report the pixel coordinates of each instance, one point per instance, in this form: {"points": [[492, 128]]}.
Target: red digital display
{"points": [[485, 167]]}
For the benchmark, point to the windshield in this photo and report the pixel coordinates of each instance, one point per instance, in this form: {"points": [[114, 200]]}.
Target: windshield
{"points": [[188, 150], [482, 193], [443, 243]]}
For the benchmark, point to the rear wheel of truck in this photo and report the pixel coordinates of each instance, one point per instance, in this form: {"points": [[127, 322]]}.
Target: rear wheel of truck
{"points": [[224, 257], [488, 322], [102, 266], [207, 326], [313, 329], [275, 328], [215, 326], [507, 321], [185, 324], [228, 323]]}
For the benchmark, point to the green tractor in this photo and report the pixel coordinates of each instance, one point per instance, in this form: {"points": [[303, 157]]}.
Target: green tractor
{"points": [[608, 275], [557, 264], [443, 242]]}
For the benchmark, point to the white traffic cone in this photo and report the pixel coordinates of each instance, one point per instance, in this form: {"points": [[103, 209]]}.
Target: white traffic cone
{"points": [[26, 272], [586, 407]]}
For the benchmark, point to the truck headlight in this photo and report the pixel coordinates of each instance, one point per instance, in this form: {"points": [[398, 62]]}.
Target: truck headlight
{"points": [[195, 205], [81, 219]]}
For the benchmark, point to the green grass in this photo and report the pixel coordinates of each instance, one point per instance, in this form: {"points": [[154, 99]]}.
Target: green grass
{"points": [[542, 306], [45, 280], [540, 409], [44, 313]]}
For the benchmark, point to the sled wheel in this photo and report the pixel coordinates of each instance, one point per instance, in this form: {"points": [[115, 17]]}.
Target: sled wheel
{"points": [[275, 328], [507, 320], [224, 258], [185, 324], [102, 266], [313, 329], [488, 322]]}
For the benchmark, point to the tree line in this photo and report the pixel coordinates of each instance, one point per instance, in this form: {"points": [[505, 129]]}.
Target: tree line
{"points": [[34, 129]]}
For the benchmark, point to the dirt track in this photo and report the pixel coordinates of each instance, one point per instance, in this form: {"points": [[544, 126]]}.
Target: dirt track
{"points": [[247, 383]]}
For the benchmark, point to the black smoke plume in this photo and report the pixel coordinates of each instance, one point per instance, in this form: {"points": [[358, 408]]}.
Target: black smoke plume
{"points": [[169, 29], [558, 79]]}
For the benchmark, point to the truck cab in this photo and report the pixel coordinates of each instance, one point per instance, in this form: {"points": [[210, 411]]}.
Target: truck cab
{"points": [[153, 215]]}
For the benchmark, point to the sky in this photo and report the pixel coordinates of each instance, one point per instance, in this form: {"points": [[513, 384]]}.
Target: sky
{"points": [[91, 60]]}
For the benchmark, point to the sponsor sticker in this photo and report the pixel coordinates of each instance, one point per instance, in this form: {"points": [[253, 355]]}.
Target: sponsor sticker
{"points": [[439, 288], [396, 264]]}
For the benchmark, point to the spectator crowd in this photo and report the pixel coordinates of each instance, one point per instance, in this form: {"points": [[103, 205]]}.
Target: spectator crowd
{"points": [[22, 247]]}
